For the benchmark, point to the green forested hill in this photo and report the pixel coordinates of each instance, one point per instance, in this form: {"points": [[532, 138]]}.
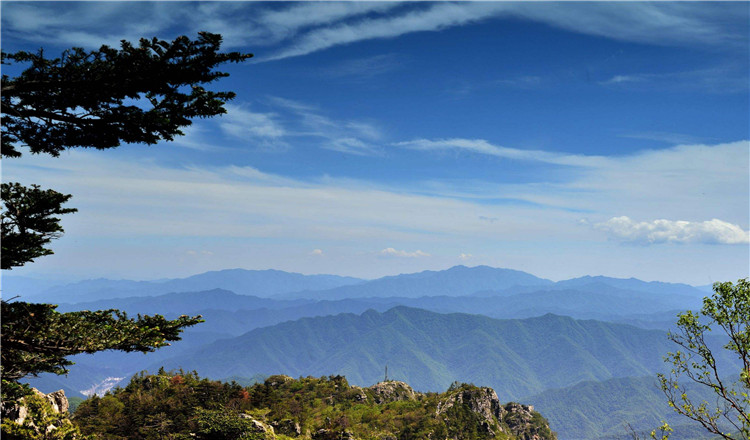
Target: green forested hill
{"points": [[430, 350]]}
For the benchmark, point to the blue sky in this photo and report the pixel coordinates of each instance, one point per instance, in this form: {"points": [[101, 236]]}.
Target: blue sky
{"points": [[370, 139]]}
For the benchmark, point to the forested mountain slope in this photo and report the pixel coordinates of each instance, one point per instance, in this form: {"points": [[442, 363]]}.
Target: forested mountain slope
{"points": [[431, 350]]}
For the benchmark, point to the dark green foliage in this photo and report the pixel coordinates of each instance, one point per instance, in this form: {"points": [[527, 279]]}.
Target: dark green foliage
{"points": [[224, 425], [153, 405], [99, 99], [176, 405], [36, 338], [29, 222]]}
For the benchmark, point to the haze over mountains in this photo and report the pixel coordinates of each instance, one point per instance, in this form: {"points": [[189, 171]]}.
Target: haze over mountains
{"points": [[455, 281], [523, 335], [265, 283]]}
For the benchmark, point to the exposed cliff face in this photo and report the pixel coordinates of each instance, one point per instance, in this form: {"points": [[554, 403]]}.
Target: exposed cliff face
{"points": [[479, 402], [480, 407], [392, 391], [525, 423], [38, 414]]}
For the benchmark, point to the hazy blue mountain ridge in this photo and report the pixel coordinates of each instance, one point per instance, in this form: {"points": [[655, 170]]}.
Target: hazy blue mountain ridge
{"points": [[456, 281], [261, 283], [185, 303]]}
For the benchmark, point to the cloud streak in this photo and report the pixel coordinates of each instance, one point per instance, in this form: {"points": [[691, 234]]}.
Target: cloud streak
{"points": [[262, 128], [659, 231], [290, 30], [391, 252], [481, 146], [345, 136]]}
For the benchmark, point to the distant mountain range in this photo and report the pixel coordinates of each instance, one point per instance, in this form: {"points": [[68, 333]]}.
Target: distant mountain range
{"points": [[262, 283], [454, 282], [271, 322]]}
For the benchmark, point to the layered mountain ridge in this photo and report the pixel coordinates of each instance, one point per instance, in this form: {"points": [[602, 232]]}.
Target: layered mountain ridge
{"points": [[523, 335]]}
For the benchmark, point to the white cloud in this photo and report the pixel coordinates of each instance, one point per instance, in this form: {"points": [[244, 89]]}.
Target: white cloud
{"points": [[437, 16], [656, 23], [194, 253], [352, 146], [670, 231], [618, 79], [482, 146], [363, 68], [684, 181], [663, 136], [294, 29], [317, 252], [728, 78], [464, 257], [284, 23], [245, 207], [391, 252], [263, 128], [346, 136]]}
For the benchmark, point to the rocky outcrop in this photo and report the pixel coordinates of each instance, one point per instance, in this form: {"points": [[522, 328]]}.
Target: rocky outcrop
{"points": [[19, 411], [525, 423], [57, 399], [357, 394], [481, 402], [277, 380], [38, 414], [288, 427], [485, 410], [258, 426], [392, 391]]}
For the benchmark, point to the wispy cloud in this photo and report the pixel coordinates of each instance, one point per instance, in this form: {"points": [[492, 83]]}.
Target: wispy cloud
{"points": [[619, 79], [346, 136], [662, 23], [681, 181], [263, 128], [713, 231], [481, 146], [280, 128], [524, 82], [719, 79], [297, 29], [391, 252], [436, 16], [666, 137], [249, 206], [364, 68], [284, 23]]}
